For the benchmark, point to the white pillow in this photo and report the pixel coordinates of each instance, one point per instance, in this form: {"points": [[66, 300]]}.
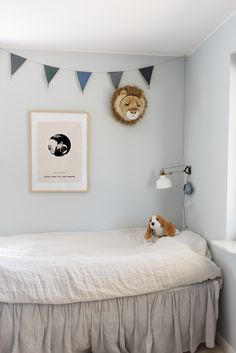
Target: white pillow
{"points": [[195, 241]]}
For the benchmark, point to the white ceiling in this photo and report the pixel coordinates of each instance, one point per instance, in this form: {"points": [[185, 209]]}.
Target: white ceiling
{"points": [[158, 27]]}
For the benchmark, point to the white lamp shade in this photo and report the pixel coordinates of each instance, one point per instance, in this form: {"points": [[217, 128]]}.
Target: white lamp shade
{"points": [[163, 182]]}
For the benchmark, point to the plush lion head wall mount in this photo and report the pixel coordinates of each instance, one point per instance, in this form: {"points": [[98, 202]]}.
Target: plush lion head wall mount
{"points": [[128, 104]]}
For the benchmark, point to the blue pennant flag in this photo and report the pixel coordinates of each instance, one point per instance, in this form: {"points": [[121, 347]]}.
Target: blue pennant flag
{"points": [[83, 77], [146, 72], [16, 62], [50, 72], [115, 78]]}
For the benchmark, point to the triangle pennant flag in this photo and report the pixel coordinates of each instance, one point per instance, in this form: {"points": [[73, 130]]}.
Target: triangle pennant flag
{"points": [[16, 62], [50, 72], [147, 73], [83, 77], [116, 77]]}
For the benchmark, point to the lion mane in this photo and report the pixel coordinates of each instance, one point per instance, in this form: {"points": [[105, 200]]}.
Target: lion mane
{"points": [[128, 104]]}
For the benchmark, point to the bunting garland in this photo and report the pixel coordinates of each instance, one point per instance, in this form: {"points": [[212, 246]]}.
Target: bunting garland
{"points": [[50, 72], [115, 78], [83, 76], [146, 72], [16, 62]]}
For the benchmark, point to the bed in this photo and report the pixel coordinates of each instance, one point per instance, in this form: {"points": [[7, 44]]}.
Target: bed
{"points": [[106, 292]]}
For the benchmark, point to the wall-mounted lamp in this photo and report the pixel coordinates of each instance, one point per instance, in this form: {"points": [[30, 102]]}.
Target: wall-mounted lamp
{"points": [[163, 182]]}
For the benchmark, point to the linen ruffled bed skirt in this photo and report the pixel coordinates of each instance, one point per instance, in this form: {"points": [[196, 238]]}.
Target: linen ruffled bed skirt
{"points": [[172, 321]]}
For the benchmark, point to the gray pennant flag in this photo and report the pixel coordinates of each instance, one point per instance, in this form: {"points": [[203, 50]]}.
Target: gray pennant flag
{"points": [[116, 77], [16, 62]]}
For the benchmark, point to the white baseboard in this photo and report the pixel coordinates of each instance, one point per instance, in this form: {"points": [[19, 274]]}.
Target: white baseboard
{"points": [[223, 344]]}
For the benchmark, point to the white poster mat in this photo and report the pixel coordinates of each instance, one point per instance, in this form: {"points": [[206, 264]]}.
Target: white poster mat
{"points": [[59, 149]]}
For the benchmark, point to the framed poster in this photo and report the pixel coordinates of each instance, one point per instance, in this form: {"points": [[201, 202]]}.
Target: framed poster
{"points": [[59, 151]]}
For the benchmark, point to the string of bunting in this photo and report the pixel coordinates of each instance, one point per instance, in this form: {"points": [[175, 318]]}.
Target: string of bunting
{"points": [[83, 76]]}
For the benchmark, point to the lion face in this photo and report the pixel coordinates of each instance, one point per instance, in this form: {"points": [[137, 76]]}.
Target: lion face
{"points": [[128, 104], [131, 107]]}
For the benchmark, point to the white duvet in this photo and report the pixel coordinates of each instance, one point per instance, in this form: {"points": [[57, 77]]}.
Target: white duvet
{"points": [[60, 268]]}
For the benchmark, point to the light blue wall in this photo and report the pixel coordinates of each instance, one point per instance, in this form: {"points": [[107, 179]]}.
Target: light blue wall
{"points": [[123, 160], [206, 130], [206, 146]]}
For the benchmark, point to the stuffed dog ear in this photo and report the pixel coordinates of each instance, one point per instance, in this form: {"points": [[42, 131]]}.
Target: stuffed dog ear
{"points": [[169, 228], [148, 231]]}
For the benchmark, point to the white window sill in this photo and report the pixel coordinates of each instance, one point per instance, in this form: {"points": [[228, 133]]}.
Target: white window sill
{"points": [[228, 245]]}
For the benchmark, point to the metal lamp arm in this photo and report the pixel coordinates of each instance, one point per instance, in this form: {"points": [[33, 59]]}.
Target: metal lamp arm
{"points": [[187, 170]]}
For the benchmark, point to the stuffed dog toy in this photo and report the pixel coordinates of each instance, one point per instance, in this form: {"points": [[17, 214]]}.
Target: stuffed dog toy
{"points": [[159, 227]]}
